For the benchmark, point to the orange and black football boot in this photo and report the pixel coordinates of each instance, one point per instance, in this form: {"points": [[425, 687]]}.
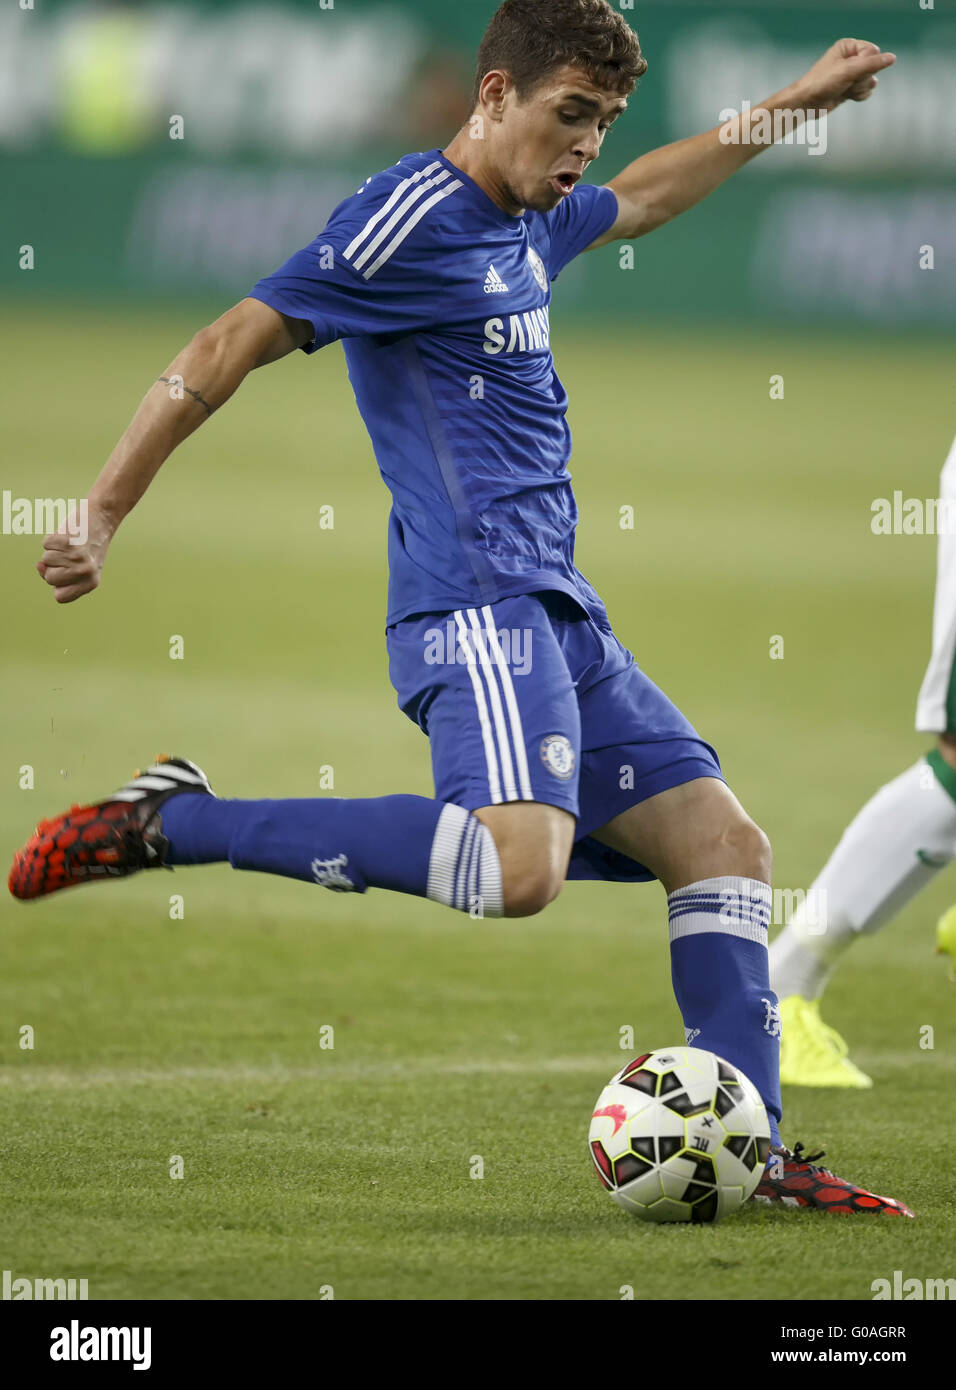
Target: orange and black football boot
{"points": [[793, 1178], [112, 839]]}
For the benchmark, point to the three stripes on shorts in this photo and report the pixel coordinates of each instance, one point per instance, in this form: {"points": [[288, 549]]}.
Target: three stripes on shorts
{"points": [[499, 718]]}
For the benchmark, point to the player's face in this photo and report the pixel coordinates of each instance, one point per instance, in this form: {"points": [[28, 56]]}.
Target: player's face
{"points": [[550, 139]]}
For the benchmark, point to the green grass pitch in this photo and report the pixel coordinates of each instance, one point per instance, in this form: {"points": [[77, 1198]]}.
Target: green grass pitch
{"points": [[308, 1167]]}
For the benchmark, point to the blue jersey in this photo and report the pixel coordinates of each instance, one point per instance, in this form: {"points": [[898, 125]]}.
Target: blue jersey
{"points": [[442, 301]]}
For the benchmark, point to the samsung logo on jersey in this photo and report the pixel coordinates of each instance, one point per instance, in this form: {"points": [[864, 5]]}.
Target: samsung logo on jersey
{"points": [[530, 332]]}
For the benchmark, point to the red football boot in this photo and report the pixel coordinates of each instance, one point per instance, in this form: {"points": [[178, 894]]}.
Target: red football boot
{"points": [[793, 1178], [112, 839]]}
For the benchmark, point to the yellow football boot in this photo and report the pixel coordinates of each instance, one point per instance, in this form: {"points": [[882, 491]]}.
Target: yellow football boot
{"points": [[946, 939], [811, 1053]]}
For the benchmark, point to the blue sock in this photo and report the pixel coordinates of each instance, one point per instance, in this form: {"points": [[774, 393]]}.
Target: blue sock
{"points": [[405, 843], [720, 970]]}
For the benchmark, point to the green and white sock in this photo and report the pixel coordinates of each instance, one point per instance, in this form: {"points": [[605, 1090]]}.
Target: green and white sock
{"points": [[897, 844]]}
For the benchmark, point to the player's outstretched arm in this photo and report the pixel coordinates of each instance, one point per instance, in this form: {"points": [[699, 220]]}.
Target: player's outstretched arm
{"points": [[197, 382], [661, 185]]}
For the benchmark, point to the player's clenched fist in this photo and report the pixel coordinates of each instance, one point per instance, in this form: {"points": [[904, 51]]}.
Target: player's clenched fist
{"points": [[846, 72], [70, 564]]}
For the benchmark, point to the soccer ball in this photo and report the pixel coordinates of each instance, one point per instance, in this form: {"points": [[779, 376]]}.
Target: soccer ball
{"points": [[679, 1135]]}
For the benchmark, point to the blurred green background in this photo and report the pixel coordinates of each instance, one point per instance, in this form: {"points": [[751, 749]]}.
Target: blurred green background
{"points": [[200, 1037], [286, 109]]}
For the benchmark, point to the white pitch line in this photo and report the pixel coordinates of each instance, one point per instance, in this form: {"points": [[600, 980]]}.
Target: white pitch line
{"points": [[28, 1077]]}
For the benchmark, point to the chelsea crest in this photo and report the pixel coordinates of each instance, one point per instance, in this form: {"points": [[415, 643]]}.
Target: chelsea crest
{"points": [[537, 265]]}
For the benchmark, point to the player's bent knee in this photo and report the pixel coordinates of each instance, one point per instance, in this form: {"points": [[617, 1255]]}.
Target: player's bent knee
{"points": [[534, 845], [527, 891], [746, 849]]}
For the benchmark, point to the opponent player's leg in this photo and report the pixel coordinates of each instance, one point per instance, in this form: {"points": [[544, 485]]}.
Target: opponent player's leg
{"points": [[894, 847]]}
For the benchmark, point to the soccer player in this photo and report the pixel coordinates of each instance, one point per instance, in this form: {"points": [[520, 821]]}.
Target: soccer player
{"points": [[437, 276], [895, 846]]}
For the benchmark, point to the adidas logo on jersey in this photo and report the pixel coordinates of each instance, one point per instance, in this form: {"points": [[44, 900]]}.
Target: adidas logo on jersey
{"points": [[494, 283]]}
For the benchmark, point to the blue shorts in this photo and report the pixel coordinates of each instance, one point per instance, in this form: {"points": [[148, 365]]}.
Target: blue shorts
{"points": [[534, 699]]}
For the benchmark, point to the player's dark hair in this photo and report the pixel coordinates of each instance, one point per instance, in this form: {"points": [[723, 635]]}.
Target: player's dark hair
{"points": [[530, 39]]}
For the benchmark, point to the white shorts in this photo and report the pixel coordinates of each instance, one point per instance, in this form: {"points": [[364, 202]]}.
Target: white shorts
{"points": [[936, 705]]}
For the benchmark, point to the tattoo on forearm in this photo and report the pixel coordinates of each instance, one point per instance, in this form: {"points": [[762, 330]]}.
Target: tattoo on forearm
{"points": [[180, 389]]}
